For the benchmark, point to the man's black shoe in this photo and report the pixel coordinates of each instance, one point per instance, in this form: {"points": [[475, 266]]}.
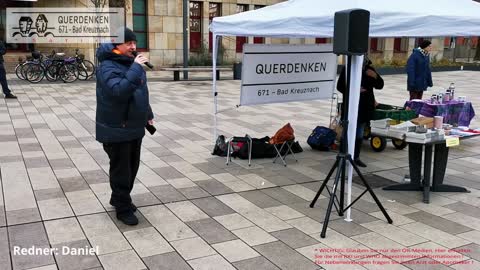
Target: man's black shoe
{"points": [[134, 207], [360, 163], [10, 96], [127, 218]]}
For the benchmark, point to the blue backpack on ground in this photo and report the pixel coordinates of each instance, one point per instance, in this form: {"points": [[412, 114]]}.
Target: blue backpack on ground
{"points": [[321, 138]]}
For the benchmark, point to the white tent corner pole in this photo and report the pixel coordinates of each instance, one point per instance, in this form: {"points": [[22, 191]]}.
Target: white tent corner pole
{"points": [[214, 85], [354, 98]]}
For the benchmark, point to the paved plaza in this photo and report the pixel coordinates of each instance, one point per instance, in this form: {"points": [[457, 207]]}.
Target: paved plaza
{"points": [[196, 212]]}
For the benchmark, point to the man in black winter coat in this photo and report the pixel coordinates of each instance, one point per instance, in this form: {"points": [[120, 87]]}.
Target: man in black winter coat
{"points": [[370, 80], [3, 73], [123, 111]]}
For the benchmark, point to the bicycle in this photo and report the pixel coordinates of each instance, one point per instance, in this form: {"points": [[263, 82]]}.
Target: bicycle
{"points": [[32, 70], [65, 69], [86, 68]]}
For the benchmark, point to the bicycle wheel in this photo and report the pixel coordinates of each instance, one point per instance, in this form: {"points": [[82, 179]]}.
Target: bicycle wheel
{"points": [[34, 73], [18, 71], [82, 72], [86, 70], [23, 69], [52, 72], [68, 73]]}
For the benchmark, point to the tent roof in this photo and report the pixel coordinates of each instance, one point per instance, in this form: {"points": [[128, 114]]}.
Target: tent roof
{"points": [[388, 18]]}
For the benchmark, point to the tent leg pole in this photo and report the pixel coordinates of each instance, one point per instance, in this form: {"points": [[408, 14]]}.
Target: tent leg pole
{"points": [[214, 85]]}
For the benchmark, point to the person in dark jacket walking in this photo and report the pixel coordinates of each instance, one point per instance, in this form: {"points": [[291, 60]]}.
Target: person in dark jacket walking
{"points": [[123, 111], [370, 80], [418, 70], [3, 73]]}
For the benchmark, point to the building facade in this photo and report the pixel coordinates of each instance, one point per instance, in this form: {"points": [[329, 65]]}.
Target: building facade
{"points": [[159, 28]]}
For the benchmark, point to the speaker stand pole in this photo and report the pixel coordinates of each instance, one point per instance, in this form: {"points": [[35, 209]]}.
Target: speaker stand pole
{"points": [[340, 165]]}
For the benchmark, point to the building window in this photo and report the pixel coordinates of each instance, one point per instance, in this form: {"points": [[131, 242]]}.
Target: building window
{"points": [[241, 40], [447, 43], [400, 45], [195, 26], [258, 40], [461, 41], [321, 40], [214, 10], [140, 23], [474, 42], [377, 45]]}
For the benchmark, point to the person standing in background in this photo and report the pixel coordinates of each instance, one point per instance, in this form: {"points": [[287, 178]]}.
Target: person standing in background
{"points": [[3, 73], [419, 75], [366, 107], [123, 111]]}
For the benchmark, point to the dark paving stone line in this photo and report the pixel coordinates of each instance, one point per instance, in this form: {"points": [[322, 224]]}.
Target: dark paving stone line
{"points": [[317, 213], [28, 147], [49, 193], [438, 222], [167, 261], [285, 257], [9, 159], [294, 238], [211, 231], [260, 199], [214, 187], [194, 193], [213, 206], [465, 209], [63, 163], [470, 250], [26, 236], [95, 177], [279, 180], [5, 261], [257, 263], [3, 219], [145, 199], [40, 162], [348, 229], [8, 138], [71, 184], [23, 216], [168, 173], [167, 193], [208, 168], [283, 196], [172, 158]]}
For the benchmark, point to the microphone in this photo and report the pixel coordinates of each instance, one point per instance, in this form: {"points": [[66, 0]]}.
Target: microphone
{"points": [[135, 53]]}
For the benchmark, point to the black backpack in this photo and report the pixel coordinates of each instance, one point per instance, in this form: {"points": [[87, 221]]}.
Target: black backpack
{"points": [[221, 147]]}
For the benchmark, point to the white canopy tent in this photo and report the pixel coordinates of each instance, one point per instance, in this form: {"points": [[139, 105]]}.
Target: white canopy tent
{"points": [[315, 18]]}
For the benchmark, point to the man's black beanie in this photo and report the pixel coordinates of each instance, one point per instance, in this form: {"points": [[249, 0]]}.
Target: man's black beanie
{"points": [[128, 35], [424, 44]]}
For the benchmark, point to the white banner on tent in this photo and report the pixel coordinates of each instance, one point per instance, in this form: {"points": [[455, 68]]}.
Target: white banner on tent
{"points": [[284, 73]]}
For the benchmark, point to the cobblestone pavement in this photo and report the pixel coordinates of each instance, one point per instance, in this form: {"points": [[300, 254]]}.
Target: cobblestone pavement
{"points": [[197, 213]]}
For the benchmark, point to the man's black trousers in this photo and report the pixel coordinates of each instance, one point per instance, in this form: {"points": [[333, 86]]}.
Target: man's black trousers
{"points": [[3, 79], [124, 163]]}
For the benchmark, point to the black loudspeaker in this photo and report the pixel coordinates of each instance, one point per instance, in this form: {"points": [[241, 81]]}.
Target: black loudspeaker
{"points": [[350, 34]]}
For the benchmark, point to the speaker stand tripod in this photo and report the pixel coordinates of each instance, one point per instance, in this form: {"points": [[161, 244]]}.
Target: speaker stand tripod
{"points": [[340, 165]]}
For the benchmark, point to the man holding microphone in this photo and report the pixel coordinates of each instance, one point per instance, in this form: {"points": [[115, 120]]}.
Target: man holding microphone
{"points": [[123, 112]]}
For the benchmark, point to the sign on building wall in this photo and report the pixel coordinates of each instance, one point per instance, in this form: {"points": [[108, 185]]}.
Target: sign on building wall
{"points": [[64, 25], [284, 73]]}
